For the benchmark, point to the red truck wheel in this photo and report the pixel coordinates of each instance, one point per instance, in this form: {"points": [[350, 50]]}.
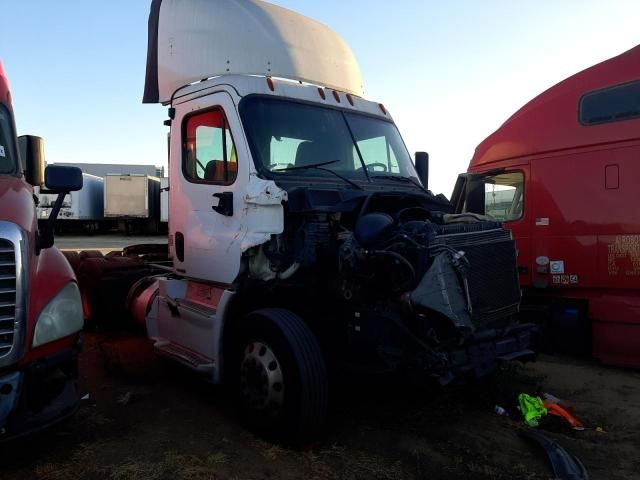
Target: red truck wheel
{"points": [[282, 387]]}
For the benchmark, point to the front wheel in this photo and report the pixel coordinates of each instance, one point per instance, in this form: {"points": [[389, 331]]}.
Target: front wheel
{"points": [[282, 383]]}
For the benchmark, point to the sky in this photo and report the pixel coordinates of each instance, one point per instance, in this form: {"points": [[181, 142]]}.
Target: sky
{"points": [[449, 72]]}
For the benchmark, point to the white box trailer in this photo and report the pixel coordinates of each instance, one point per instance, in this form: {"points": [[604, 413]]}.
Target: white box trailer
{"points": [[132, 197], [85, 205], [164, 200]]}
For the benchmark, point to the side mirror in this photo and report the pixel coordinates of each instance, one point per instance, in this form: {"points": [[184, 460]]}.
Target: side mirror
{"points": [[60, 180], [475, 195], [422, 167], [32, 155]]}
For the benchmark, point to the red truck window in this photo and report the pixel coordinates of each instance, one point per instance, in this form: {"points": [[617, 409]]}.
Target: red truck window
{"points": [[209, 153], [504, 196], [613, 104], [7, 157]]}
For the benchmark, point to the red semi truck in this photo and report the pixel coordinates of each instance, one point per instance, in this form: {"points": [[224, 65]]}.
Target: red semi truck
{"points": [[562, 173], [40, 306]]}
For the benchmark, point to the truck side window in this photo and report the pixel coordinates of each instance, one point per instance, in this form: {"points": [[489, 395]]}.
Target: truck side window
{"points": [[7, 160], [612, 104], [504, 196], [209, 155]]}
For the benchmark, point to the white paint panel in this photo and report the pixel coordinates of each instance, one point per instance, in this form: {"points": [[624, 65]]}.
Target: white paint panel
{"points": [[164, 200]]}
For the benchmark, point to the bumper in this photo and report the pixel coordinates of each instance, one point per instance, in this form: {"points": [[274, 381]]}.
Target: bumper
{"points": [[480, 356], [39, 394], [483, 355]]}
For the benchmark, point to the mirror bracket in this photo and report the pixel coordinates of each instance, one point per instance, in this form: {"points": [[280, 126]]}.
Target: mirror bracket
{"points": [[61, 180], [46, 237], [421, 160]]}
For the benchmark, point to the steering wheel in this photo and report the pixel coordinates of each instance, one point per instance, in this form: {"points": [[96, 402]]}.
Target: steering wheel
{"points": [[373, 166]]}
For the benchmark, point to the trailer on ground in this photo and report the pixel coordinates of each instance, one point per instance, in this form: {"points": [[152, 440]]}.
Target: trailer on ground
{"points": [[134, 201]]}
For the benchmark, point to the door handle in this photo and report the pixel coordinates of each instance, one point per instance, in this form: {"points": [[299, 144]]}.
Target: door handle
{"points": [[225, 204], [172, 304]]}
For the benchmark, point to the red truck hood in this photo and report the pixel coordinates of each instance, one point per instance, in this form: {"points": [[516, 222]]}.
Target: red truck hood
{"points": [[48, 272]]}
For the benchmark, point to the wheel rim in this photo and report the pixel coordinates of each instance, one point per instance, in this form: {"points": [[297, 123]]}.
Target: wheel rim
{"points": [[261, 379]]}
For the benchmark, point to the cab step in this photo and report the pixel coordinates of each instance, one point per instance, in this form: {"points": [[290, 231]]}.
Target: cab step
{"points": [[183, 355]]}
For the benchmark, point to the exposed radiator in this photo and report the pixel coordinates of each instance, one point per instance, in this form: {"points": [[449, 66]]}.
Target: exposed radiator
{"points": [[492, 272]]}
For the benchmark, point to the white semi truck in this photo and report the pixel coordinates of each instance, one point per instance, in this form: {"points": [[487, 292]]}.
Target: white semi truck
{"points": [[302, 237]]}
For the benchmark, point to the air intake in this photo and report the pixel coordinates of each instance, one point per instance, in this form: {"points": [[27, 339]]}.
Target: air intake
{"points": [[8, 296]]}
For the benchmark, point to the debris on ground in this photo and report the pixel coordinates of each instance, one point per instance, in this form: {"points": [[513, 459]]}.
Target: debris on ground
{"points": [[125, 399], [564, 413], [500, 411], [532, 409], [553, 399], [565, 465]]}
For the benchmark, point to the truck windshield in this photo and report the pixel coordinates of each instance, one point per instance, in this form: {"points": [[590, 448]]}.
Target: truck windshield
{"points": [[8, 163], [286, 136]]}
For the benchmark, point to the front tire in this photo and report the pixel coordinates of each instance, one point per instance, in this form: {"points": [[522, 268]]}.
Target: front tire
{"points": [[282, 381]]}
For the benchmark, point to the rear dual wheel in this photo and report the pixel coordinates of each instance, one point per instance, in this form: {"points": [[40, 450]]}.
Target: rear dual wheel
{"points": [[282, 387]]}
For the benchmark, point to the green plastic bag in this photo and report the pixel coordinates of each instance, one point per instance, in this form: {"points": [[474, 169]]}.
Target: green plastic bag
{"points": [[532, 409]]}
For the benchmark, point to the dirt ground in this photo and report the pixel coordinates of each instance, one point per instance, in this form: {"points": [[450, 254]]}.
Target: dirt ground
{"points": [[146, 420]]}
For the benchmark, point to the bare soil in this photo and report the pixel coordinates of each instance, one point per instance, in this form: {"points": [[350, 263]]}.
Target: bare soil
{"points": [[149, 421]]}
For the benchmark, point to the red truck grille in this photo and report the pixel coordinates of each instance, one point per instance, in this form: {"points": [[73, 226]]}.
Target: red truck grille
{"points": [[7, 296]]}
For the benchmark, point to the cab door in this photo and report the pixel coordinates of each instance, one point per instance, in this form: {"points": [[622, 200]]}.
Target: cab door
{"points": [[209, 175]]}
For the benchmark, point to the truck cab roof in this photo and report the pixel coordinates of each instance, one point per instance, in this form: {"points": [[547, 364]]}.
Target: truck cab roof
{"points": [[552, 120], [191, 40], [246, 85]]}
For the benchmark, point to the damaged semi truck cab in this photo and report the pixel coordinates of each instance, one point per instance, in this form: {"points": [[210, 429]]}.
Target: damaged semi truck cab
{"points": [[40, 307], [301, 235]]}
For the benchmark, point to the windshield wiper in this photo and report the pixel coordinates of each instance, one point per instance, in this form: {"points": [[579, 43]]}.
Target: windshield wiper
{"points": [[398, 178], [304, 167], [318, 166]]}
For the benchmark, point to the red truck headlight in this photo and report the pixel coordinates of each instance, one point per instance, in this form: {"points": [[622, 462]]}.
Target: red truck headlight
{"points": [[61, 317]]}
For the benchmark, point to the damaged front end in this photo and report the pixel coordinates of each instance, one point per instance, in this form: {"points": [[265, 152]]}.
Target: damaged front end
{"points": [[388, 280], [457, 298]]}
